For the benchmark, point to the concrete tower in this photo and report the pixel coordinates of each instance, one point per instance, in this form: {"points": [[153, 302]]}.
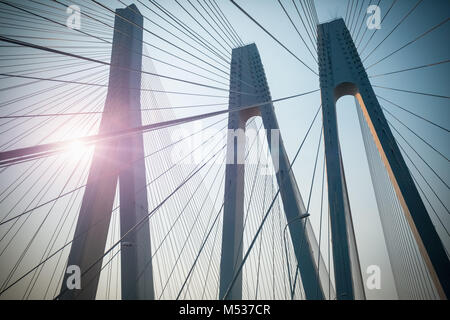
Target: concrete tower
{"points": [[248, 86], [119, 159], [342, 73]]}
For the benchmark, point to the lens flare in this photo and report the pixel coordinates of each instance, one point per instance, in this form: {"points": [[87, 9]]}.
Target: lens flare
{"points": [[76, 147]]}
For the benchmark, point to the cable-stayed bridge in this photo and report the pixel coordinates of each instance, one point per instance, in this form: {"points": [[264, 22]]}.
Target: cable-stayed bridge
{"points": [[105, 178]]}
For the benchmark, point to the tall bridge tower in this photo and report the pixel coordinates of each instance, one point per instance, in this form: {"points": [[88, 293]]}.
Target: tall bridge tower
{"points": [[248, 86], [342, 73], [116, 161]]}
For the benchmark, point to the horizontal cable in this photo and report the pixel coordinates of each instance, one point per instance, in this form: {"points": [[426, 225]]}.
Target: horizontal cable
{"points": [[40, 70], [409, 69], [50, 20], [103, 112], [415, 92], [126, 166], [35, 46], [106, 86], [36, 150]]}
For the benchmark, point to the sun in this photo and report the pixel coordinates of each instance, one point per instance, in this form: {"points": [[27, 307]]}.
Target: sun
{"points": [[76, 147]]}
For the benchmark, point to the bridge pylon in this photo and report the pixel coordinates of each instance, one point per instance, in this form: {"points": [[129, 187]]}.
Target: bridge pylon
{"points": [[248, 86], [342, 73], [117, 160]]}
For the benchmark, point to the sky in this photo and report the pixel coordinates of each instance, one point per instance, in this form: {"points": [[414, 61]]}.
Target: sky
{"points": [[287, 76]]}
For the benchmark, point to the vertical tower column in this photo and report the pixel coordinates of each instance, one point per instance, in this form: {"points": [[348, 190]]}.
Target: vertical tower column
{"points": [[248, 86], [113, 160], [342, 73], [233, 209], [137, 278]]}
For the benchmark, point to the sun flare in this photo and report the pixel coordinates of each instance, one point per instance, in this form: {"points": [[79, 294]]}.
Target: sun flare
{"points": [[76, 147]]}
